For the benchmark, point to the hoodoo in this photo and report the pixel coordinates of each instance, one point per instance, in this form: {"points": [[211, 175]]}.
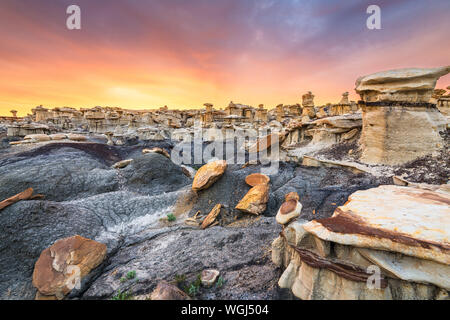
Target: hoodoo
{"points": [[399, 123]]}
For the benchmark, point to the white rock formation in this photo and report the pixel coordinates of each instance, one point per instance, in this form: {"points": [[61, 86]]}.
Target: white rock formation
{"points": [[399, 125], [402, 232]]}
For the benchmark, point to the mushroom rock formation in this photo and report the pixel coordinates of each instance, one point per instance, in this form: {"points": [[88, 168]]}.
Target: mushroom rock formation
{"points": [[290, 209], [208, 174], [399, 123], [65, 263], [308, 99], [344, 99], [122, 164]]}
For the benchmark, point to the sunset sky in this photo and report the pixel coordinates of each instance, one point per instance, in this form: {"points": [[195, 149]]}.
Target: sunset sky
{"points": [[142, 54]]}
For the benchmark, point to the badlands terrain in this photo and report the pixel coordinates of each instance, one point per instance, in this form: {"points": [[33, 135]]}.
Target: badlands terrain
{"points": [[345, 201]]}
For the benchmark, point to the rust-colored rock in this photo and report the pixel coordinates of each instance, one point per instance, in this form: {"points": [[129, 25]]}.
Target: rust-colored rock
{"points": [[256, 178], [211, 217], [24, 195], [255, 201], [208, 174], [167, 291], [61, 267]]}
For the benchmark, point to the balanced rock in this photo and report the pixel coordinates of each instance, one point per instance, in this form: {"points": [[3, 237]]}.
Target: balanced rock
{"points": [[157, 150], [167, 291], [399, 125], [208, 174], [61, 267], [208, 277], [256, 178], [290, 209], [255, 201], [211, 217]]}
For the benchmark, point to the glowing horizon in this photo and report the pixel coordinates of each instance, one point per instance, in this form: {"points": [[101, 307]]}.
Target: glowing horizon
{"points": [[183, 54]]}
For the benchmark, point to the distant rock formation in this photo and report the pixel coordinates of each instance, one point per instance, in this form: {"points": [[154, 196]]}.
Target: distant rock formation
{"points": [[399, 123]]}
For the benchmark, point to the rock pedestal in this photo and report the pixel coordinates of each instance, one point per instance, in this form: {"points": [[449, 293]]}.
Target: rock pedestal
{"points": [[399, 123]]}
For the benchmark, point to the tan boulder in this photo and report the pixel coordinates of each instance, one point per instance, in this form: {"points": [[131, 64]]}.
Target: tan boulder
{"points": [[157, 150], [167, 291], [211, 217], [266, 142], [58, 136], [290, 209], [122, 164], [409, 84], [208, 277], [256, 178], [208, 174], [61, 267], [255, 201], [76, 137]]}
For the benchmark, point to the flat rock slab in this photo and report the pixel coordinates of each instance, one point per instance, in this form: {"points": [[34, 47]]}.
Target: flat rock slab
{"points": [[411, 221]]}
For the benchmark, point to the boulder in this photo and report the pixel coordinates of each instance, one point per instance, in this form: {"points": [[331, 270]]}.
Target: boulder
{"points": [[211, 217], [208, 174], [256, 178], [37, 137], [167, 291], [76, 137], [157, 150], [62, 266], [122, 164], [208, 277], [255, 201], [290, 209]]}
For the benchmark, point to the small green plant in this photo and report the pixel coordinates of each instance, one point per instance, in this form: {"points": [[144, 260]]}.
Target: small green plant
{"points": [[122, 295], [220, 282], [194, 288], [131, 275], [171, 217], [123, 279]]}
